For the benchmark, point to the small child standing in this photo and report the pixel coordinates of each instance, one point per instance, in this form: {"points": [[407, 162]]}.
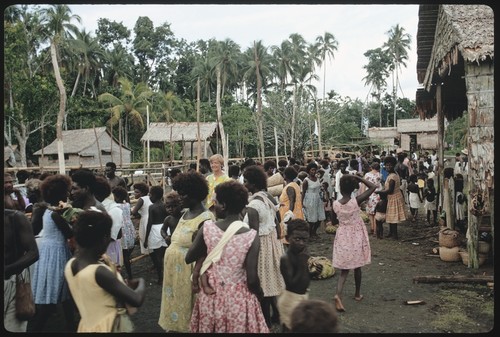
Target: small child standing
{"points": [[430, 202], [325, 197], [295, 270], [380, 210], [351, 246], [153, 239], [415, 198], [173, 207]]}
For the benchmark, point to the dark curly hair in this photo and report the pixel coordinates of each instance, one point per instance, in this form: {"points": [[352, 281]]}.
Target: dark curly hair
{"points": [[233, 194], [192, 184], [85, 178], [390, 159], [142, 187], [120, 194], [310, 166], [348, 184], [91, 227], [156, 191], [255, 175], [102, 188], [55, 188], [290, 173], [296, 225], [314, 316]]}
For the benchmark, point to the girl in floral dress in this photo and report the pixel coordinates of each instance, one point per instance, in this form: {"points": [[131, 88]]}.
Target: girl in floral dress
{"points": [[177, 299], [351, 246], [234, 307], [374, 176]]}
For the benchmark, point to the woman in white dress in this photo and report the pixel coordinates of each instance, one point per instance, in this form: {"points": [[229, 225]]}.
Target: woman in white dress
{"points": [[141, 193]]}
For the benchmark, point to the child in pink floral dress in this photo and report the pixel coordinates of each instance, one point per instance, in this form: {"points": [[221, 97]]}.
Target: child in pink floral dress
{"points": [[351, 246]]}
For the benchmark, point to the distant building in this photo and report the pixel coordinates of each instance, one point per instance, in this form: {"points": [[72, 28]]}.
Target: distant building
{"points": [[85, 147]]}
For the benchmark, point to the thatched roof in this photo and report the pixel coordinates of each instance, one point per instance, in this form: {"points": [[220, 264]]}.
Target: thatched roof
{"points": [[187, 131], [76, 141], [445, 29]]}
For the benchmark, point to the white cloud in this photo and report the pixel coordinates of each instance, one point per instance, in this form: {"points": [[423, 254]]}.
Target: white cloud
{"points": [[357, 29]]}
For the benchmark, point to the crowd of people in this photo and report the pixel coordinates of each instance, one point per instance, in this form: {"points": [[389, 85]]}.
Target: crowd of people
{"points": [[221, 243]]}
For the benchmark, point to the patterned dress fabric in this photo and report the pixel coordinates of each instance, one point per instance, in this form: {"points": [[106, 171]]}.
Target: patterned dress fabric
{"points": [[233, 308], [271, 248], [314, 209], [212, 182], [374, 198], [143, 223], [351, 246], [48, 283], [177, 299], [96, 306], [395, 201], [128, 230]]}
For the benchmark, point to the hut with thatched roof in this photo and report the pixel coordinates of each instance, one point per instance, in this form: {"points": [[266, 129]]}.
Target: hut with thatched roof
{"points": [[455, 66], [185, 133], [86, 148]]}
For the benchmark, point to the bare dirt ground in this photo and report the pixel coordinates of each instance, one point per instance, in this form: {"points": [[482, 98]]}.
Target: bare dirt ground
{"points": [[387, 283]]}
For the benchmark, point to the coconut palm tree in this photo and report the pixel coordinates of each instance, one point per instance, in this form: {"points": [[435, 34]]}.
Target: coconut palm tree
{"points": [[131, 104], [57, 19], [118, 63], [327, 45], [397, 46], [89, 56], [377, 71]]}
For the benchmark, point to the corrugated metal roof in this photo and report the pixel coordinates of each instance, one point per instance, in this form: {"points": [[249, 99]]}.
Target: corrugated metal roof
{"points": [[176, 132], [75, 141]]}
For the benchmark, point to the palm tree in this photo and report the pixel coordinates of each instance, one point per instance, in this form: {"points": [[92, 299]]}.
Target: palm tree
{"points": [[58, 21], [131, 104], [89, 57], [397, 46], [377, 73], [118, 64], [327, 45]]}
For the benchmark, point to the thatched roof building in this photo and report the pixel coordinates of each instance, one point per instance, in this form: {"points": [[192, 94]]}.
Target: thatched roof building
{"points": [[86, 147], [187, 132], [455, 48]]}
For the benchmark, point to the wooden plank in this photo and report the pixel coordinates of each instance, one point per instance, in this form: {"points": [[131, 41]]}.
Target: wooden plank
{"points": [[453, 278]]}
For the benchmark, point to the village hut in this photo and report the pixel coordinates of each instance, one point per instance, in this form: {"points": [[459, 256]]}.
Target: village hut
{"points": [[455, 66], [86, 148], [387, 137], [416, 134], [185, 133]]}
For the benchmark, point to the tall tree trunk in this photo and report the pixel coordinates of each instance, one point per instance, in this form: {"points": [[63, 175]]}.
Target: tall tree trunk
{"points": [[225, 155], [294, 108], [259, 103], [319, 131], [76, 84], [62, 109]]}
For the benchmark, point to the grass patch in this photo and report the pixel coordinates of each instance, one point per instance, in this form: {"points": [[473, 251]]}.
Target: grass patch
{"points": [[468, 309]]}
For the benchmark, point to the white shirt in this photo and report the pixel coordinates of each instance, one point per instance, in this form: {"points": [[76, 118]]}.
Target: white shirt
{"points": [[116, 214]]}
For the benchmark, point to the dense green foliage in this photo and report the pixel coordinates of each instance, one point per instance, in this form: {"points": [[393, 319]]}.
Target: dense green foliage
{"points": [[115, 75]]}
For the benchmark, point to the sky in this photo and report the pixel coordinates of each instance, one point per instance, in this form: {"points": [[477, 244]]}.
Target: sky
{"points": [[357, 29]]}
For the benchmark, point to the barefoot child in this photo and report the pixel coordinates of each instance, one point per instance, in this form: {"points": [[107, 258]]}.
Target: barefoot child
{"points": [[351, 247], [295, 270], [430, 202], [415, 197]]}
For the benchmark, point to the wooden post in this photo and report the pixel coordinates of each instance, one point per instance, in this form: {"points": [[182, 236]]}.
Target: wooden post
{"points": [[440, 121], [198, 135], [98, 147], [120, 140]]}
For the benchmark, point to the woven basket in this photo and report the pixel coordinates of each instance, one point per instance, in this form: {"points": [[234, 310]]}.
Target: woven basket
{"points": [[449, 254], [275, 179], [483, 247], [465, 258], [449, 238], [276, 190]]}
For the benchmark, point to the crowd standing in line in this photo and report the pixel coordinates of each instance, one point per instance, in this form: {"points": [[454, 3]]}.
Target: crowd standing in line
{"points": [[182, 212]]}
